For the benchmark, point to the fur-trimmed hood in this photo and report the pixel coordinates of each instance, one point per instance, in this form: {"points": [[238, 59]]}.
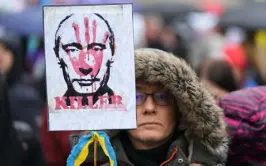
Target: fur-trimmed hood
{"points": [[201, 117]]}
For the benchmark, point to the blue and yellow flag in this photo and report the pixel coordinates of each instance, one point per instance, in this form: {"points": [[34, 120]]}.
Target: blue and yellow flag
{"points": [[81, 150]]}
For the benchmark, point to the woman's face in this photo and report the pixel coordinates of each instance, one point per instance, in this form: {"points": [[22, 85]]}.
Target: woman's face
{"points": [[6, 59]]}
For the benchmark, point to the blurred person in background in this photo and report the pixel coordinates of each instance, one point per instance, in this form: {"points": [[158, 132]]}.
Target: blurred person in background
{"points": [[209, 40], [17, 149], [236, 56], [11, 59], [170, 37], [18, 97], [11, 153], [219, 77], [246, 119], [153, 29], [24, 99], [173, 40]]}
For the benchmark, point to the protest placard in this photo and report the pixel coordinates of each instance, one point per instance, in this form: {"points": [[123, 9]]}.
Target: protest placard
{"points": [[90, 68]]}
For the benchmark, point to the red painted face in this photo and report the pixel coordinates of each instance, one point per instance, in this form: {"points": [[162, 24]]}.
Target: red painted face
{"points": [[84, 46], [86, 59]]}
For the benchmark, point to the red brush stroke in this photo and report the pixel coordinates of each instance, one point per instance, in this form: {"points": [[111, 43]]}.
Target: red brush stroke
{"points": [[87, 34], [81, 61], [94, 27], [76, 28], [84, 54]]}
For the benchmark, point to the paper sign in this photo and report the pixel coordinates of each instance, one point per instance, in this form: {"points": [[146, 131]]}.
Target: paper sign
{"points": [[90, 67]]}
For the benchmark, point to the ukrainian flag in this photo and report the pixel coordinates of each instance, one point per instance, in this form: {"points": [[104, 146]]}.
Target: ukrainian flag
{"points": [[81, 150]]}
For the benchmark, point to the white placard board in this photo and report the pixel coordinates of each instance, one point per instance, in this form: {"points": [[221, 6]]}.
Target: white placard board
{"points": [[90, 68]]}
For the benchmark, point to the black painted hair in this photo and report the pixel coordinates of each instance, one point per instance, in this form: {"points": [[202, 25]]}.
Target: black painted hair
{"points": [[111, 35]]}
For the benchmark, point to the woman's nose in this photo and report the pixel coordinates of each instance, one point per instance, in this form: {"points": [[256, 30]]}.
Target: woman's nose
{"points": [[149, 105]]}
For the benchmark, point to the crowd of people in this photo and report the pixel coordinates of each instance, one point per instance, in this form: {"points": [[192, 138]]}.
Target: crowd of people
{"points": [[213, 111]]}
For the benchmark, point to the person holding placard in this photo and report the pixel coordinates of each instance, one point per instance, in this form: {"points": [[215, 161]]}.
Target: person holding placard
{"points": [[178, 121]]}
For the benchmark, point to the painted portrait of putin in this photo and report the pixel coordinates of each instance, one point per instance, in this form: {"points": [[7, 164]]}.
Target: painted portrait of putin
{"points": [[84, 47]]}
